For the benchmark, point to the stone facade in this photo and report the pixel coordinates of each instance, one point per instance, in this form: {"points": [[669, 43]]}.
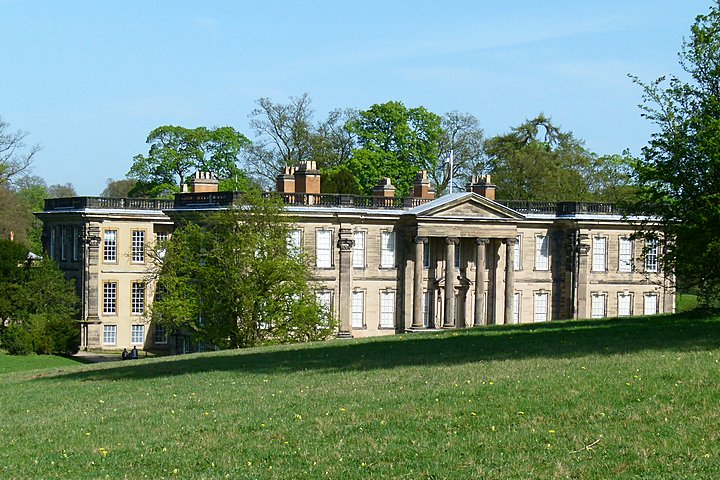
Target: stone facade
{"points": [[383, 264]]}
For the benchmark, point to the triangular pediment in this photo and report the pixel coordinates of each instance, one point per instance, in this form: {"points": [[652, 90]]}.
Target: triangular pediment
{"points": [[468, 206]]}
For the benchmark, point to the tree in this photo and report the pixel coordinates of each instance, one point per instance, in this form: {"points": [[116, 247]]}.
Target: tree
{"points": [[678, 174], [118, 188], [176, 152], [15, 156], [16, 219], [38, 305], [539, 161], [394, 141], [61, 190], [283, 136], [461, 133], [233, 282]]}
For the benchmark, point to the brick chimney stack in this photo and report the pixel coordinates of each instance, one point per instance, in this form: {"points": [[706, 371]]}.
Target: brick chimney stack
{"points": [[482, 186], [285, 182], [384, 188], [421, 187], [307, 178], [204, 182]]}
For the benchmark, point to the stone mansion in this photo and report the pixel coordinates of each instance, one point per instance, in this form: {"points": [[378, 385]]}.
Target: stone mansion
{"points": [[382, 264]]}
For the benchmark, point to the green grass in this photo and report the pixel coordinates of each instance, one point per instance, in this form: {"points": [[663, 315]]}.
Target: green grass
{"points": [[632, 398], [12, 363]]}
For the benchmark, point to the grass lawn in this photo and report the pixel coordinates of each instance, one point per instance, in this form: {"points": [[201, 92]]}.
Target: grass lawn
{"points": [[12, 363], [631, 398]]}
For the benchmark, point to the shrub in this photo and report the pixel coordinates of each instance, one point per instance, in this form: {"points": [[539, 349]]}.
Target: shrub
{"points": [[16, 340]]}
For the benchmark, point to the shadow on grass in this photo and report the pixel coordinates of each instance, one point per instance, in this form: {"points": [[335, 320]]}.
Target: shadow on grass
{"points": [[675, 333]]}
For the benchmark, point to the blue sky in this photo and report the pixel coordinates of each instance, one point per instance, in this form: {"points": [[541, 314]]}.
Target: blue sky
{"points": [[89, 80]]}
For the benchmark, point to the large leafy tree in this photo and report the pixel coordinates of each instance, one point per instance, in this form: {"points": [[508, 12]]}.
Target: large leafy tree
{"points": [[679, 173], [176, 152], [231, 279], [394, 141], [539, 161], [37, 304]]}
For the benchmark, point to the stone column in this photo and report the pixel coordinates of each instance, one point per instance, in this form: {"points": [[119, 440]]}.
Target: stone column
{"points": [[418, 299], [479, 318], [92, 286], [345, 243], [449, 320], [582, 281], [509, 278]]}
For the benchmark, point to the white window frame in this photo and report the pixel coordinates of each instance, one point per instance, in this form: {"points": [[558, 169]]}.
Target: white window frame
{"points": [[517, 259], [324, 250], [294, 242], [598, 305], [599, 254], [358, 251], [625, 255], [625, 296], [52, 241], [357, 315], [387, 249], [542, 253], [137, 334], [110, 237], [75, 243], [110, 298], [517, 305], [458, 255], [160, 336], [137, 298], [138, 246], [324, 298], [656, 302], [427, 309], [387, 309], [109, 334], [651, 255], [540, 306]]}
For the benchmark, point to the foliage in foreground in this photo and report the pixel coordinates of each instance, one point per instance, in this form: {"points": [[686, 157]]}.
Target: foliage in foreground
{"points": [[37, 305], [233, 281], [678, 175], [630, 398]]}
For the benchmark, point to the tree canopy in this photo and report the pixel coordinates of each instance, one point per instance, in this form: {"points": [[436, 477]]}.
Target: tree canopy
{"points": [[678, 174], [176, 152], [538, 161], [232, 280], [396, 142], [37, 305]]}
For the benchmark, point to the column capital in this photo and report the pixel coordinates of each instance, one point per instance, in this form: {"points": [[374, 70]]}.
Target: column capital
{"points": [[452, 240], [420, 239], [510, 241], [482, 241], [345, 244]]}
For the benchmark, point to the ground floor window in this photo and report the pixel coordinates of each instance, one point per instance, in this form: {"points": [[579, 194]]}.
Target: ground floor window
{"points": [[598, 305], [650, 304], [541, 307], [160, 334], [137, 334], [387, 310], [109, 334], [358, 307], [427, 307], [516, 307], [624, 305]]}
